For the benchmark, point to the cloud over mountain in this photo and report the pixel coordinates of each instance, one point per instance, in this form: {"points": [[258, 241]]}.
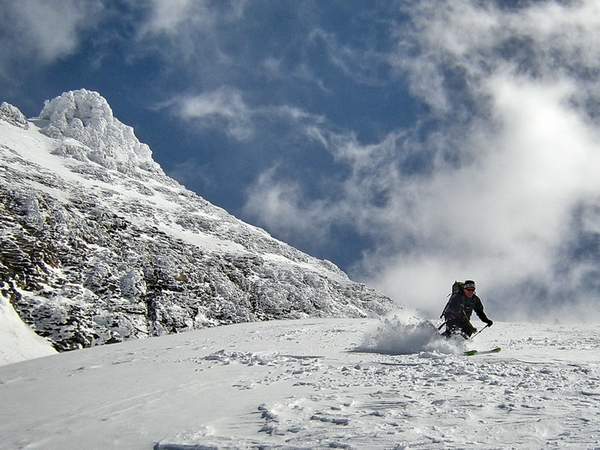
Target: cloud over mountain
{"points": [[497, 188]]}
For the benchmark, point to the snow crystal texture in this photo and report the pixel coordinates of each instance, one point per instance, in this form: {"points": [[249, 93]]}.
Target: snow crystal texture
{"points": [[87, 117]]}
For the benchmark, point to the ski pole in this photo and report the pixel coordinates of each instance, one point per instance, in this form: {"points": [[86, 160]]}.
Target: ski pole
{"points": [[440, 327], [471, 338]]}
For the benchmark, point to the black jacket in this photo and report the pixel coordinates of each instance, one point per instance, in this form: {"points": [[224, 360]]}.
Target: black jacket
{"points": [[460, 308]]}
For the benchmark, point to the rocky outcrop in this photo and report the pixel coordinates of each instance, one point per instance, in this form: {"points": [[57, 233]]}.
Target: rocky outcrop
{"points": [[105, 247], [86, 117], [13, 115]]}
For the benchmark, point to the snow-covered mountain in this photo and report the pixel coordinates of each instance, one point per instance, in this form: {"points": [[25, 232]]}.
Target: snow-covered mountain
{"points": [[99, 245]]}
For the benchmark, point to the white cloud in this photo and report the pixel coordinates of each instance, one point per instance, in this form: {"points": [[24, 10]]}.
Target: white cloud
{"points": [[492, 192], [223, 102], [472, 39], [223, 108], [529, 156], [205, 41], [39, 32], [280, 204], [181, 17], [503, 217], [226, 109], [364, 66], [168, 16], [189, 34]]}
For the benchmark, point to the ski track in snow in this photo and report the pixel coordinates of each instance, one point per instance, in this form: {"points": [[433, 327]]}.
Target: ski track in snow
{"points": [[290, 384]]}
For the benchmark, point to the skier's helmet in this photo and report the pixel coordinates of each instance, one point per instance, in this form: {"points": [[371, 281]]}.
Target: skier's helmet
{"points": [[469, 284]]}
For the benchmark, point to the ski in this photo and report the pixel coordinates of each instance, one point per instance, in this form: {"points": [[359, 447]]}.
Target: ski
{"points": [[478, 352]]}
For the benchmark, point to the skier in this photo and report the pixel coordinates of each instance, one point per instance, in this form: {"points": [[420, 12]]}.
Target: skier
{"points": [[458, 311]]}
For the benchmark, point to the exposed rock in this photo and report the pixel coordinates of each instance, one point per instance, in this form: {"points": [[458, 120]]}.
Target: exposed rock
{"points": [[13, 115], [109, 248]]}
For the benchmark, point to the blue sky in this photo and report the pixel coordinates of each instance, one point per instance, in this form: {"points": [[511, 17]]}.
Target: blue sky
{"points": [[411, 142]]}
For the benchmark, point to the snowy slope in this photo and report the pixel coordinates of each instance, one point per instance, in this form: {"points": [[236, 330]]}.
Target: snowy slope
{"points": [[290, 384], [98, 245], [19, 342]]}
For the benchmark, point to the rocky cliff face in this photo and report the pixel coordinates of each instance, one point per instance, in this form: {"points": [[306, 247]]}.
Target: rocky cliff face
{"points": [[98, 245]]}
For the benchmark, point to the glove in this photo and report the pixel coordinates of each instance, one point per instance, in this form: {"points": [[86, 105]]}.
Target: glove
{"points": [[490, 323]]}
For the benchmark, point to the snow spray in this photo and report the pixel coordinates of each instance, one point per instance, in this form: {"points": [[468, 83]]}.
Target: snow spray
{"points": [[406, 335]]}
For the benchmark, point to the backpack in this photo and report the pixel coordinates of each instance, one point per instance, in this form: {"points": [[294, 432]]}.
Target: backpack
{"points": [[457, 287]]}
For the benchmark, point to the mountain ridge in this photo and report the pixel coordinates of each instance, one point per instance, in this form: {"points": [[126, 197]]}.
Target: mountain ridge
{"points": [[99, 245]]}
